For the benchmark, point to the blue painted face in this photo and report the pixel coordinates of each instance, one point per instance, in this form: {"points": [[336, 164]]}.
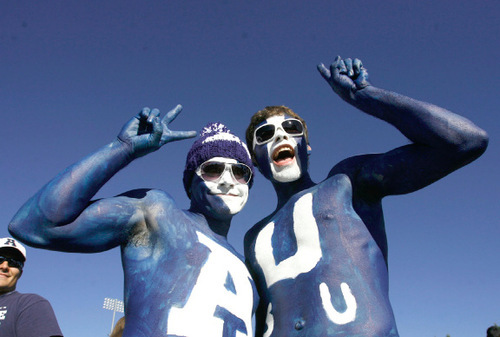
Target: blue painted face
{"points": [[222, 198], [283, 156]]}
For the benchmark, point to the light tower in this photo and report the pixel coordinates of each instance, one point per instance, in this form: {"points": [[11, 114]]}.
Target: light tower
{"points": [[115, 305]]}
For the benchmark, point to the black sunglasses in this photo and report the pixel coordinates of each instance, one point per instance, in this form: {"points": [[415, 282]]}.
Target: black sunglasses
{"points": [[213, 170], [13, 263], [265, 133]]}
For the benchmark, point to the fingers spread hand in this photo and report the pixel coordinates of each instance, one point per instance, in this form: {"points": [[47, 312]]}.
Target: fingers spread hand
{"points": [[144, 113], [155, 136], [338, 67], [357, 65], [172, 136], [348, 67], [172, 114], [153, 114], [178, 135], [324, 71]]}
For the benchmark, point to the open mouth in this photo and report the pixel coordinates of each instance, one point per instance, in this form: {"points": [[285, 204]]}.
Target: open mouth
{"points": [[283, 155]]}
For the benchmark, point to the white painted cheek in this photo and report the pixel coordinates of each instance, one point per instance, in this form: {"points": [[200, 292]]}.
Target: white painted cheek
{"points": [[211, 186], [212, 204], [229, 204]]}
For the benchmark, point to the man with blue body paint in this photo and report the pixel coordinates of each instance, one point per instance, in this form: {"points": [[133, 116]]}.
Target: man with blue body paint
{"points": [[319, 260], [182, 278]]}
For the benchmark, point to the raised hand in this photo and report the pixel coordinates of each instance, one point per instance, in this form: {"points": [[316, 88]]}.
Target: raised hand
{"points": [[146, 133], [345, 76]]}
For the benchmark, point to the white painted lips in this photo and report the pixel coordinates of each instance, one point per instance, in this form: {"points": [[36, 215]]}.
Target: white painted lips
{"points": [[225, 194]]}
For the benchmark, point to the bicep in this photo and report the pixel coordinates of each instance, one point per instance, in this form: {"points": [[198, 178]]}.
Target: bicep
{"points": [[404, 170], [102, 225]]}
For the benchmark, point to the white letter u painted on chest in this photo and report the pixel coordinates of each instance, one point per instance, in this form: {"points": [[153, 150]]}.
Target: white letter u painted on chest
{"points": [[308, 251], [304, 260]]}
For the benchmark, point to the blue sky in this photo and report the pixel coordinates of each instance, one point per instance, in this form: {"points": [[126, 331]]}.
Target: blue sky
{"points": [[73, 72]]}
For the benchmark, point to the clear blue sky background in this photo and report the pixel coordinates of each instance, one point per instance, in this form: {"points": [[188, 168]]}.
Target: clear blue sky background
{"points": [[73, 72]]}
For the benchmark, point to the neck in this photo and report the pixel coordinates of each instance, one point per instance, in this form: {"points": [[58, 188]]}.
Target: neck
{"points": [[219, 225], [285, 191], [6, 291]]}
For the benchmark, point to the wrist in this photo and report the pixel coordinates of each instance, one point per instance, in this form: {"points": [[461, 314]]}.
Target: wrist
{"points": [[124, 149]]}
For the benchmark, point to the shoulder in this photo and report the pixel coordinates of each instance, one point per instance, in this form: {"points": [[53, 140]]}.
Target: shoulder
{"points": [[149, 196], [352, 165], [24, 300], [362, 175], [251, 234], [32, 298], [35, 317]]}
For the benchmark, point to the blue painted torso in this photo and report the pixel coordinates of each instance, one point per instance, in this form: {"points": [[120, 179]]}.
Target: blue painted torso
{"points": [[182, 279], [324, 275]]}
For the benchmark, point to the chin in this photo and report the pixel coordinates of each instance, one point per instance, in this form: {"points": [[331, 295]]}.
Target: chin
{"points": [[228, 205], [233, 208], [286, 174]]}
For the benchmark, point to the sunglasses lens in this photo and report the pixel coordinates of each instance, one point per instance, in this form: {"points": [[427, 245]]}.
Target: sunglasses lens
{"points": [[264, 133], [212, 170], [292, 126], [11, 262], [241, 173]]}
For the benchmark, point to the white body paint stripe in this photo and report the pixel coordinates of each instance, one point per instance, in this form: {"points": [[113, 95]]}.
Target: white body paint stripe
{"points": [[308, 245], [304, 260], [349, 315], [210, 292]]}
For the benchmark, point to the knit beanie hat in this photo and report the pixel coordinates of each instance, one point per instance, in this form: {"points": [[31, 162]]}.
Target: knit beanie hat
{"points": [[216, 140]]}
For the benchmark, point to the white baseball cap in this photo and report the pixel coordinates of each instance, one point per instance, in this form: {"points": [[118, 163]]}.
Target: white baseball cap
{"points": [[10, 243]]}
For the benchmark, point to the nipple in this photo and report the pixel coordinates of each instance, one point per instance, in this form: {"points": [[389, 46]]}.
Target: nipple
{"points": [[299, 325]]}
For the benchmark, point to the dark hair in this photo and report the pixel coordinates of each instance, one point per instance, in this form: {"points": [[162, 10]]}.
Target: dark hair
{"points": [[493, 331], [262, 115]]}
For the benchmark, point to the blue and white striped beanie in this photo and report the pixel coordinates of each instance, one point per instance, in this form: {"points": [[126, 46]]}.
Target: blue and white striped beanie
{"points": [[216, 140]]}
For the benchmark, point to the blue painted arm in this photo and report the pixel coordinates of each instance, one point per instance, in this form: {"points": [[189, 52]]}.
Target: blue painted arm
{"points": [[61, 216], [442, 140]]}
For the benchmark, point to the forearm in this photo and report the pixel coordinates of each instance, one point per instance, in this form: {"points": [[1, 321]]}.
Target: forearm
{"points": [[421, 122], [61, 200]]}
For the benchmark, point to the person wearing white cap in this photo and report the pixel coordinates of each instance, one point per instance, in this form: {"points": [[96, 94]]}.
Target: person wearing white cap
{"points": [[26, 315], [182, 277]]}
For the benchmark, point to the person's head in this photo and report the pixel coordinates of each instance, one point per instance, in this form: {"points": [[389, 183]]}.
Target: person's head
{"points": [[12, 258], [493, 331], [118, 329], [219, 172], [279, 143]]}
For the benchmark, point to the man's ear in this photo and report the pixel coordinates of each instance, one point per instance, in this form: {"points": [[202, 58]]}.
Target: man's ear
{"points": [[309, 149]]}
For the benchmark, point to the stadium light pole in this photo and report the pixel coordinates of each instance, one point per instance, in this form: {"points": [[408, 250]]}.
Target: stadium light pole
{"points": [[115, 305]]}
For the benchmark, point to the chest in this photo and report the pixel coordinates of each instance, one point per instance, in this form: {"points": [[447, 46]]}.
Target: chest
{"points": [[186, 271], [311, 230]]}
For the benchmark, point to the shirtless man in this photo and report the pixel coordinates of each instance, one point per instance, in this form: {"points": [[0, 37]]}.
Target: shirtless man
{"points": [[182, 278], [320, 259]]}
